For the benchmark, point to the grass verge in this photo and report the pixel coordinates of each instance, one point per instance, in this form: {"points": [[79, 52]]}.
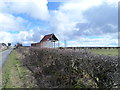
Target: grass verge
{"points": [[1, 50], [14, 75]]}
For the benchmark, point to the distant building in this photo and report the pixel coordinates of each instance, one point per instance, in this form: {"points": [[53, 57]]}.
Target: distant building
{"points": [[48, 41], [3, 46]]}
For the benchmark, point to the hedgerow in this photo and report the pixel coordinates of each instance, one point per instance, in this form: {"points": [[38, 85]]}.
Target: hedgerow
{"points": [[71, 69]]}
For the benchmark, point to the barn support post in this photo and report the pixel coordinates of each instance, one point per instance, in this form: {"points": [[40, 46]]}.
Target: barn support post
{"points": [[58, 44], [65, 43], [54, 44]]}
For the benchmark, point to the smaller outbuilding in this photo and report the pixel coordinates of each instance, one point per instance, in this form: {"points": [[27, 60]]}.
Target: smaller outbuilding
{"points": [[48, 41], [3, 46]]}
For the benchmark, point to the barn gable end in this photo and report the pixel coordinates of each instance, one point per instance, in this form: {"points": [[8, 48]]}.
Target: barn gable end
{"points": [[48, 41]]}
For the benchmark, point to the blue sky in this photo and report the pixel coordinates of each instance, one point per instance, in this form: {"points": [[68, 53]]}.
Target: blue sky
{"points": [[54, 5], [80, 23]]}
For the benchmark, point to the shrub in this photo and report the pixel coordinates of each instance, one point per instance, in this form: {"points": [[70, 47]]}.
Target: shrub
{"points": [[67, 68]]}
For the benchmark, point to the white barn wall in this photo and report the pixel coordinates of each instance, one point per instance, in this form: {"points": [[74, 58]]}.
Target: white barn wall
{"points": [[46, 44]]}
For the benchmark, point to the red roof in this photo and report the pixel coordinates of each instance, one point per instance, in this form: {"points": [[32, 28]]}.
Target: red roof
{"points": [[46, 37]]}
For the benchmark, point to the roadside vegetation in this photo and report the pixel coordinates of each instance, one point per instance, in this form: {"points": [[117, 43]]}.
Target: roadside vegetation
{"points": [[28, 67], [15, 75], [3, 50], [55, 68]]}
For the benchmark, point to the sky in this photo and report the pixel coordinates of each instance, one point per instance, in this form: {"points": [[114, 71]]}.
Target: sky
{"points": [[78, 22]]}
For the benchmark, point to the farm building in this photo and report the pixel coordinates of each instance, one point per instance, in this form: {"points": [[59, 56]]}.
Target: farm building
{"points": [[3, 46], [48, 41]]}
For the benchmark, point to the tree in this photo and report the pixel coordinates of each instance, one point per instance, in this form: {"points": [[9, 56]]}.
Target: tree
{"points": [[19, 45], [9, 44]]}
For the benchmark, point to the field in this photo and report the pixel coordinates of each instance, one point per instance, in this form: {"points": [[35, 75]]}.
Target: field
{"points": [[113, 52]]}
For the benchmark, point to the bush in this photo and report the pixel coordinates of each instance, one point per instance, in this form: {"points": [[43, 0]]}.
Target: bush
{"points": [[74, 69]]}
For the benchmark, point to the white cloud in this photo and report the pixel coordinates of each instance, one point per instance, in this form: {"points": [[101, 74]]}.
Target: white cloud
{"points": [[35, 8], [2, 6], [111, 2], [10, 23], [5, 37], [93, 42], [65, 19], [24, 37], [64, 22]]}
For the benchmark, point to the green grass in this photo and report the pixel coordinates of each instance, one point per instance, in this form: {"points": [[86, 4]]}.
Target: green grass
{"points": [[113, 52], [14, 75]]}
